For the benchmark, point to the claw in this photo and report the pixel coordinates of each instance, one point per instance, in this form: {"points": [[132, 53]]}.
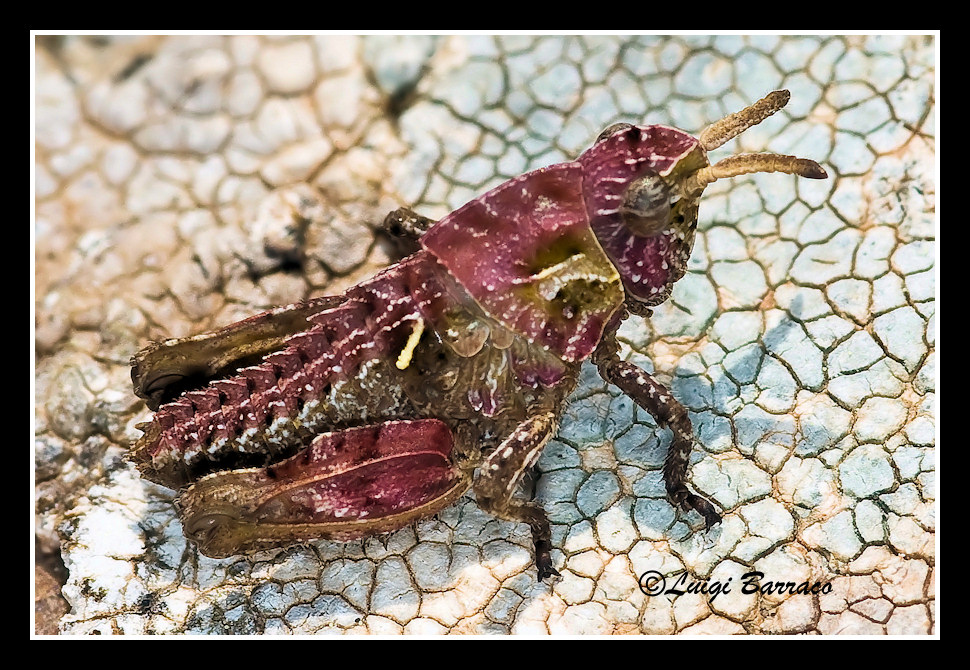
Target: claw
{"points": [[546, 571], [703, 507]]}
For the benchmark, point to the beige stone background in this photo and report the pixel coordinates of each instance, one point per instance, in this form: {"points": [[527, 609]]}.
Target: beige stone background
{"points": [[184, 182]]}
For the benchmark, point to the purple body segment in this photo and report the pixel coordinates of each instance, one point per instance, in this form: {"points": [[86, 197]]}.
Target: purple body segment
{"points": [[609, 167], [516, 250], [362, 473], [417, 286]]}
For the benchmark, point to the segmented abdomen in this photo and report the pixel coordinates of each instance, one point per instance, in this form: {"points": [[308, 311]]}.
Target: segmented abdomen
{"points": [[407, 343]]}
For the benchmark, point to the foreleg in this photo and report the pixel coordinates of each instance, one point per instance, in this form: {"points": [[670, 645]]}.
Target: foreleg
{"points": [[652, 396]]}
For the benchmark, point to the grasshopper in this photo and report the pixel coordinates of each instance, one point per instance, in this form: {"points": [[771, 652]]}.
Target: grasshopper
{"points": [[351, 415]]}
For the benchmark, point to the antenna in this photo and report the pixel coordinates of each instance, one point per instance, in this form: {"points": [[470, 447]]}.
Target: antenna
{"points": [[733, 125]]}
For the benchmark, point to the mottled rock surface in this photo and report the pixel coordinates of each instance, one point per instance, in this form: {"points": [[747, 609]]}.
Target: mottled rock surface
{"points": [[186, 182]]}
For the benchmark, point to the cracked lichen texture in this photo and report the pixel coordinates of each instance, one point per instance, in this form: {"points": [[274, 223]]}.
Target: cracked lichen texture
{"points": [[185, 182]]}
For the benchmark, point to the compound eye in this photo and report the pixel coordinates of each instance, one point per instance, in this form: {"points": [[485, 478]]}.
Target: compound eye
{"points": [[616, 127], [646, 206]]}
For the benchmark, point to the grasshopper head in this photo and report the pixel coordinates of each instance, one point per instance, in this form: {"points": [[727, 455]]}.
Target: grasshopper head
{"points": [[642, 185]]}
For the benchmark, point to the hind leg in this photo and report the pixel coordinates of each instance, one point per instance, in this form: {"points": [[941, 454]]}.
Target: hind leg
{"points": [[163, 370], [346, 484]]}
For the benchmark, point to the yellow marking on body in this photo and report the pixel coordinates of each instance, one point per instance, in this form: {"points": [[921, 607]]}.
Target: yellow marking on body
{"points": [[404, 360], [557, 268]]}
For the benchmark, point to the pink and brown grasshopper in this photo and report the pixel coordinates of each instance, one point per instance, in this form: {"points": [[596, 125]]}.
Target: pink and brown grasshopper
{"points": [[351, 415]]}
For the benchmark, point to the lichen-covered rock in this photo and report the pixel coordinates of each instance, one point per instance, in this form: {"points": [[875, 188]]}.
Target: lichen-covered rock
{"points": [[186, 182]]}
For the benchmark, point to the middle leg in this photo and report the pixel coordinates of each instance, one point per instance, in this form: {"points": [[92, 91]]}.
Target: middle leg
{"points": [[404, 222], [499, 479]]}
